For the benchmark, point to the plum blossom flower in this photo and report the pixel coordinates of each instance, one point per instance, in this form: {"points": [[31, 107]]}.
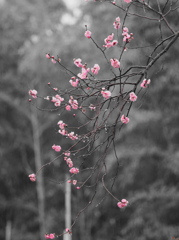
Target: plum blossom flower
{"points": [[53, 59], [63, 132], [57, 148], [74, 83], [115, 63], [123, 203], [106, 94], [95, 69], [61, 124], [74, 170], [48, 55], [88, 34], [127, 1], [117, 23], [57, 100], [84, 72], [68, 107], [50, 236], [92, 107], [77, 62], [126, 36], [73, 103], [108, 41], [124, 119], [32, 177], [145, 83], [132, 97], [72, 136], [33, 93], [67, 154]]}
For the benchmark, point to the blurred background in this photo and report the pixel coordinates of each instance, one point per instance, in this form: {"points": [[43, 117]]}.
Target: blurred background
{"points": [[148, 148]]}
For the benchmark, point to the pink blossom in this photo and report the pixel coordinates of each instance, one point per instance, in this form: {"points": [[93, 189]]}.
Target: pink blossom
{"points": [[115, 63], [68, 230], [48, 56], [50, 236], [117, 23], [74, 83], [69, 162], [145, 83], [133, 97], [84, 73], [74, 170], [32, 177], [33, 93], [123, 203], [92, 107], [126, 36], [67, 154], [95, 69], [57, 100], [73, 103], [124, 119], [57, 148], [114, 43], [127, 1], [61, 124], [77, 62], [53, 59], [88, 34], [68, 107], [77, 187], [108, 45], [106, 94], [74, 182], [110, 37], [63, 132], [72, 136]]}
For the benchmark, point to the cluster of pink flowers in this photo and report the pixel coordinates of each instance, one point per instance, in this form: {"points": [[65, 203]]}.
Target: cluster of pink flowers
{"points": [[32, 177], [74, 170], [145, 83], [72, 136], [88, 34], [95, 69], [109, 42], [33, 93], [57, 100], [84, 69], [127, 37], [73, 103], [123, 203], [50, 236], [74, 82], [63, 131], [105, 93], [74, 182], [124, 119], [61, 124], [48, 56], [132, 97], [115, 63], [69, 162], [57, 148], [117, 23], [84, 72], [68, 159]]}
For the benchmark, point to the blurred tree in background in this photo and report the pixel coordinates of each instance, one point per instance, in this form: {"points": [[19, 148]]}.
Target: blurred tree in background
{"points": [[147, 148]]}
